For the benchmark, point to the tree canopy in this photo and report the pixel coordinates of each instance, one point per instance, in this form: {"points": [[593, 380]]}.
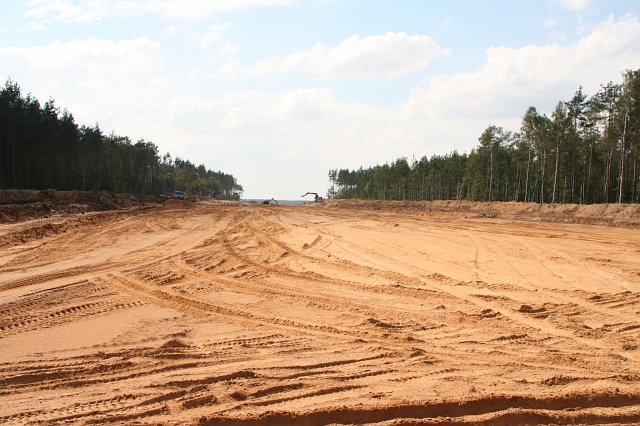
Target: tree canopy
{"points": [[587, 152], [44, 148]]}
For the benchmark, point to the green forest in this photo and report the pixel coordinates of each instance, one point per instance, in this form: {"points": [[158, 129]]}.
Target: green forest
{"points": [[587, 152], [44, 148]]}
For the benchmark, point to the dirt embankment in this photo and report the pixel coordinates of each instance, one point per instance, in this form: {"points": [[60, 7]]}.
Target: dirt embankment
{"points": [[627, 215], [38, 214], [23, 205], [20, 205]]}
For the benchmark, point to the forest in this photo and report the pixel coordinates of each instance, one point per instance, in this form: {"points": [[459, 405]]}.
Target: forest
{"points": [[587, 152], [44, 148]]}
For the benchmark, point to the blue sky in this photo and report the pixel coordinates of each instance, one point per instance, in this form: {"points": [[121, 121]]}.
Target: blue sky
{"points": [[277, 92]]}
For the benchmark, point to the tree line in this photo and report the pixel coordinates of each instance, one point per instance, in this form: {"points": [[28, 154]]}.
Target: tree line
{"points": [[44, 148], [587, 152]]}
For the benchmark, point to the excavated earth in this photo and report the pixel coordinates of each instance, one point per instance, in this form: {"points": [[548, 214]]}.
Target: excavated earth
{"points": [[341, 312]]}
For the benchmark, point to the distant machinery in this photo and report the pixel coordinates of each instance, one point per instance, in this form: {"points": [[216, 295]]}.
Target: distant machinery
{"points": [[315, 194]]}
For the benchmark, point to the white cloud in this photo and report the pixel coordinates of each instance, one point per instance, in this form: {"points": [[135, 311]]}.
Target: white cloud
{"points": [[550, 22], [171, 29], [204, 9], [36, 26], [558, 35], [82, 11], [212, 34], [514, 79], [390, 55], [573, 4], [98, 10], [195, 74], [89, 58], [231, 69], [98, 80], [553, 24], [230, 49]]}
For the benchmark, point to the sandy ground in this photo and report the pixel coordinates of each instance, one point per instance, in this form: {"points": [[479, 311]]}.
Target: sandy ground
{"points": [[326, 313]]}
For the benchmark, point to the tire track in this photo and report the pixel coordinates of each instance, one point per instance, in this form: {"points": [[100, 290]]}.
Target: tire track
{"points": [[60, 305], [54, 276]]}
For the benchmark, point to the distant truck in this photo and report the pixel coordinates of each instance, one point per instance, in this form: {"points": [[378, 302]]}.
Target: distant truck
{"points": [[178, 195]]}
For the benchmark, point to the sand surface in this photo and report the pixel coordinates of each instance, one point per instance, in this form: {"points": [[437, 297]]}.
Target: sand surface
{"points": [[319, 314]]}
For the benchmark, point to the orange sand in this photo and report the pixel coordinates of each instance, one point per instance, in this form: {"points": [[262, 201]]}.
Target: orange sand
{"points": [[328, 313]]}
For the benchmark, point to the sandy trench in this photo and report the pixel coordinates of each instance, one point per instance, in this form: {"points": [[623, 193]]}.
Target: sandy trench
{"points": [[313, 315]]}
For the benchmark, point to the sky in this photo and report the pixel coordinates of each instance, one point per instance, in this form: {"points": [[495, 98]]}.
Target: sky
{"points": [[278, 92]]}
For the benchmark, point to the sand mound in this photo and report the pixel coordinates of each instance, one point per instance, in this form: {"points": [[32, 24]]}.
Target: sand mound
{"points": [[175, 343]]}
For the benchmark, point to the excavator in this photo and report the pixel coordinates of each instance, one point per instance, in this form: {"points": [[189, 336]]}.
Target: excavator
{"points": [[317, 197]]}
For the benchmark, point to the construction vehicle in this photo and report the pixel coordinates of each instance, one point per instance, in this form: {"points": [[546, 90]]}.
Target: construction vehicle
{"points": [[317, 197], [269, 201]]}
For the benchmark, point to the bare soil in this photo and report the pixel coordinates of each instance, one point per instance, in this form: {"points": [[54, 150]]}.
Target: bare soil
{"points": [[341, 312]]}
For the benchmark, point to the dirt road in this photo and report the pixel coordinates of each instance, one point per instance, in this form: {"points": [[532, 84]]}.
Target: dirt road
{"points": [[263, 314]]}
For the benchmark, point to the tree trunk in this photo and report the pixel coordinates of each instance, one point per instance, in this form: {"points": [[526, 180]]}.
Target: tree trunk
{"points": [[635, 174], [608, 175], [526, 184], [557, 172], [623, 149], [590, 199], [543, 178]]}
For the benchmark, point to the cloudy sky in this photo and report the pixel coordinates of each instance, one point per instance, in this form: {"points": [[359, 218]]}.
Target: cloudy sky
{"points": [[277, 92]]}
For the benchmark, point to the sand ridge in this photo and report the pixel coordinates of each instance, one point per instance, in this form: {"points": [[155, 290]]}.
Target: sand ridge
{"points": [[326, 313]]}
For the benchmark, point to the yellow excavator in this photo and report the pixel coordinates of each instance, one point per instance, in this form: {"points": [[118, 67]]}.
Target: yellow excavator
{"points": [[317, 197]]}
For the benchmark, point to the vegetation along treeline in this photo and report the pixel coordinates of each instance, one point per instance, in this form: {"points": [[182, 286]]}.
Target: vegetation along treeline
{"points": [[587, 152], [42, 148]]}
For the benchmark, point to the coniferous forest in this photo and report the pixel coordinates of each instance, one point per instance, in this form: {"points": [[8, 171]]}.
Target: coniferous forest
{"points": [[587, 152], [44, 148]]}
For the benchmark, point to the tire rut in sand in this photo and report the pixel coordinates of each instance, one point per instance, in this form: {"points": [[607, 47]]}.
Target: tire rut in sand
{"points": [[60, 305], [497, 410]]}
